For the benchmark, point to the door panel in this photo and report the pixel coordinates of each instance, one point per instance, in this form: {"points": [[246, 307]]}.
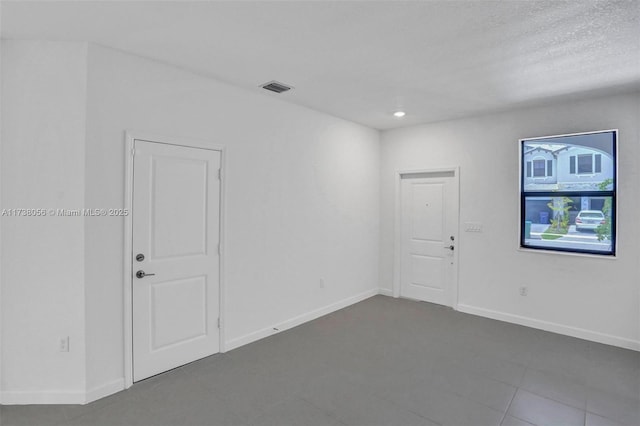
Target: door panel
{"points": [[426, 203], [189, 297], [427, 271], [428, 221], [172, 203], [176, 226]]}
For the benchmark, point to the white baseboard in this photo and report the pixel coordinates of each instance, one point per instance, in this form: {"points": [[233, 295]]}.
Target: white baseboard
{"points": [[61, 397], [385, 292], [42, 397], [296, 321], [580, 333], [104, 390]]}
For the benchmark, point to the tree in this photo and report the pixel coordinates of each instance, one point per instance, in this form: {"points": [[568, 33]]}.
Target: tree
{"points": [[603, 231], [560, 220]]}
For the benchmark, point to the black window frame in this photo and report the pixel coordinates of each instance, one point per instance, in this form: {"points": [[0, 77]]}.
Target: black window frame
{"points": [[573, 169]]}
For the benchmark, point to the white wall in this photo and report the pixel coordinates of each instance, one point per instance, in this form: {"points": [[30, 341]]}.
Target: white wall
{"points": [[589, 297], [43, 111], [302, 204], [302, 198]]}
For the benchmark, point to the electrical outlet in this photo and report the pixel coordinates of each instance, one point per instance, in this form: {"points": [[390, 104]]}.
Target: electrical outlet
{"points": [[64, 344], [524, 290], [473, 227], [321, 282]]}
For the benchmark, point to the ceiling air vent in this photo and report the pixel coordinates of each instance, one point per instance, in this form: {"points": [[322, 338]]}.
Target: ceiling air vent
{"points": [[277, 87]]}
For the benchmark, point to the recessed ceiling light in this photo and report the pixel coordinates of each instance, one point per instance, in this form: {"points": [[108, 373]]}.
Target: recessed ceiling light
{"points": [[399, 114]]}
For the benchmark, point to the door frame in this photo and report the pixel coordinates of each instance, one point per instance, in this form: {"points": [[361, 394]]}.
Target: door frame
{"points": [[130, 138], [397, 244]]}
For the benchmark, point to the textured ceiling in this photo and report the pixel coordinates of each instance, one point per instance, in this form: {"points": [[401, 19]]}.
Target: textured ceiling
{"points": [[363, 60]]}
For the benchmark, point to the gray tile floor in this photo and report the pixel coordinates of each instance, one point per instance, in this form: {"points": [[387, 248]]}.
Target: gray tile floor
{"points": [[383, 361]]}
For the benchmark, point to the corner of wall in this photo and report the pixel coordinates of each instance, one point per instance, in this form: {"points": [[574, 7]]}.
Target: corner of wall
{"points": [[296, 321], [385, 292], [45, 92]]}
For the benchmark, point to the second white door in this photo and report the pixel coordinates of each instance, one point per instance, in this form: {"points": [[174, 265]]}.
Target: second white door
{"points": [[429, 223], [176, 217]]}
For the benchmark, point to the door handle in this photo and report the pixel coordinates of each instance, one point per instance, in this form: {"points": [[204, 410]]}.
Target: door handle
{"points": [[142, 274], [451, 247]]}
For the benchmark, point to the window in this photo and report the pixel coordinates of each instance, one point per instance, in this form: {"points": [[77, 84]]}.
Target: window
{"points": [[539, 168], [587, 164], [585, 161], [574, 208]]}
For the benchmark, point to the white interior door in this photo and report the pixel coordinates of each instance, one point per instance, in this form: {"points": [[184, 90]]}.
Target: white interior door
{"points": [[429, 223], [176, 230]]}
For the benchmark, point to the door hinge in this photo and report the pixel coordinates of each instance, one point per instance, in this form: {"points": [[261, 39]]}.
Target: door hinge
{"points": [[219, 249], [133, 152], [220, 174], [219, 323]]}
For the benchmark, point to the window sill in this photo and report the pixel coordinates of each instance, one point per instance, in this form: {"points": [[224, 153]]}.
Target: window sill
{"points": [[567, 253]]}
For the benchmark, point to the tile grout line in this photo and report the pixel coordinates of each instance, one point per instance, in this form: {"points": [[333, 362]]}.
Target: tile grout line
{"points": [[586, 388], [616, 422], [509, 406], [408, 409], [486, 373]]}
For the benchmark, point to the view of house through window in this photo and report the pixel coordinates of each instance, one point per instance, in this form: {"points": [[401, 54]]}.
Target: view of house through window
{"points": [[568, 193]]}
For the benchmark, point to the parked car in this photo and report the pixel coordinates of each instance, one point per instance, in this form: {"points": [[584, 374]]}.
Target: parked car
{"points": [[589, 219]]}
